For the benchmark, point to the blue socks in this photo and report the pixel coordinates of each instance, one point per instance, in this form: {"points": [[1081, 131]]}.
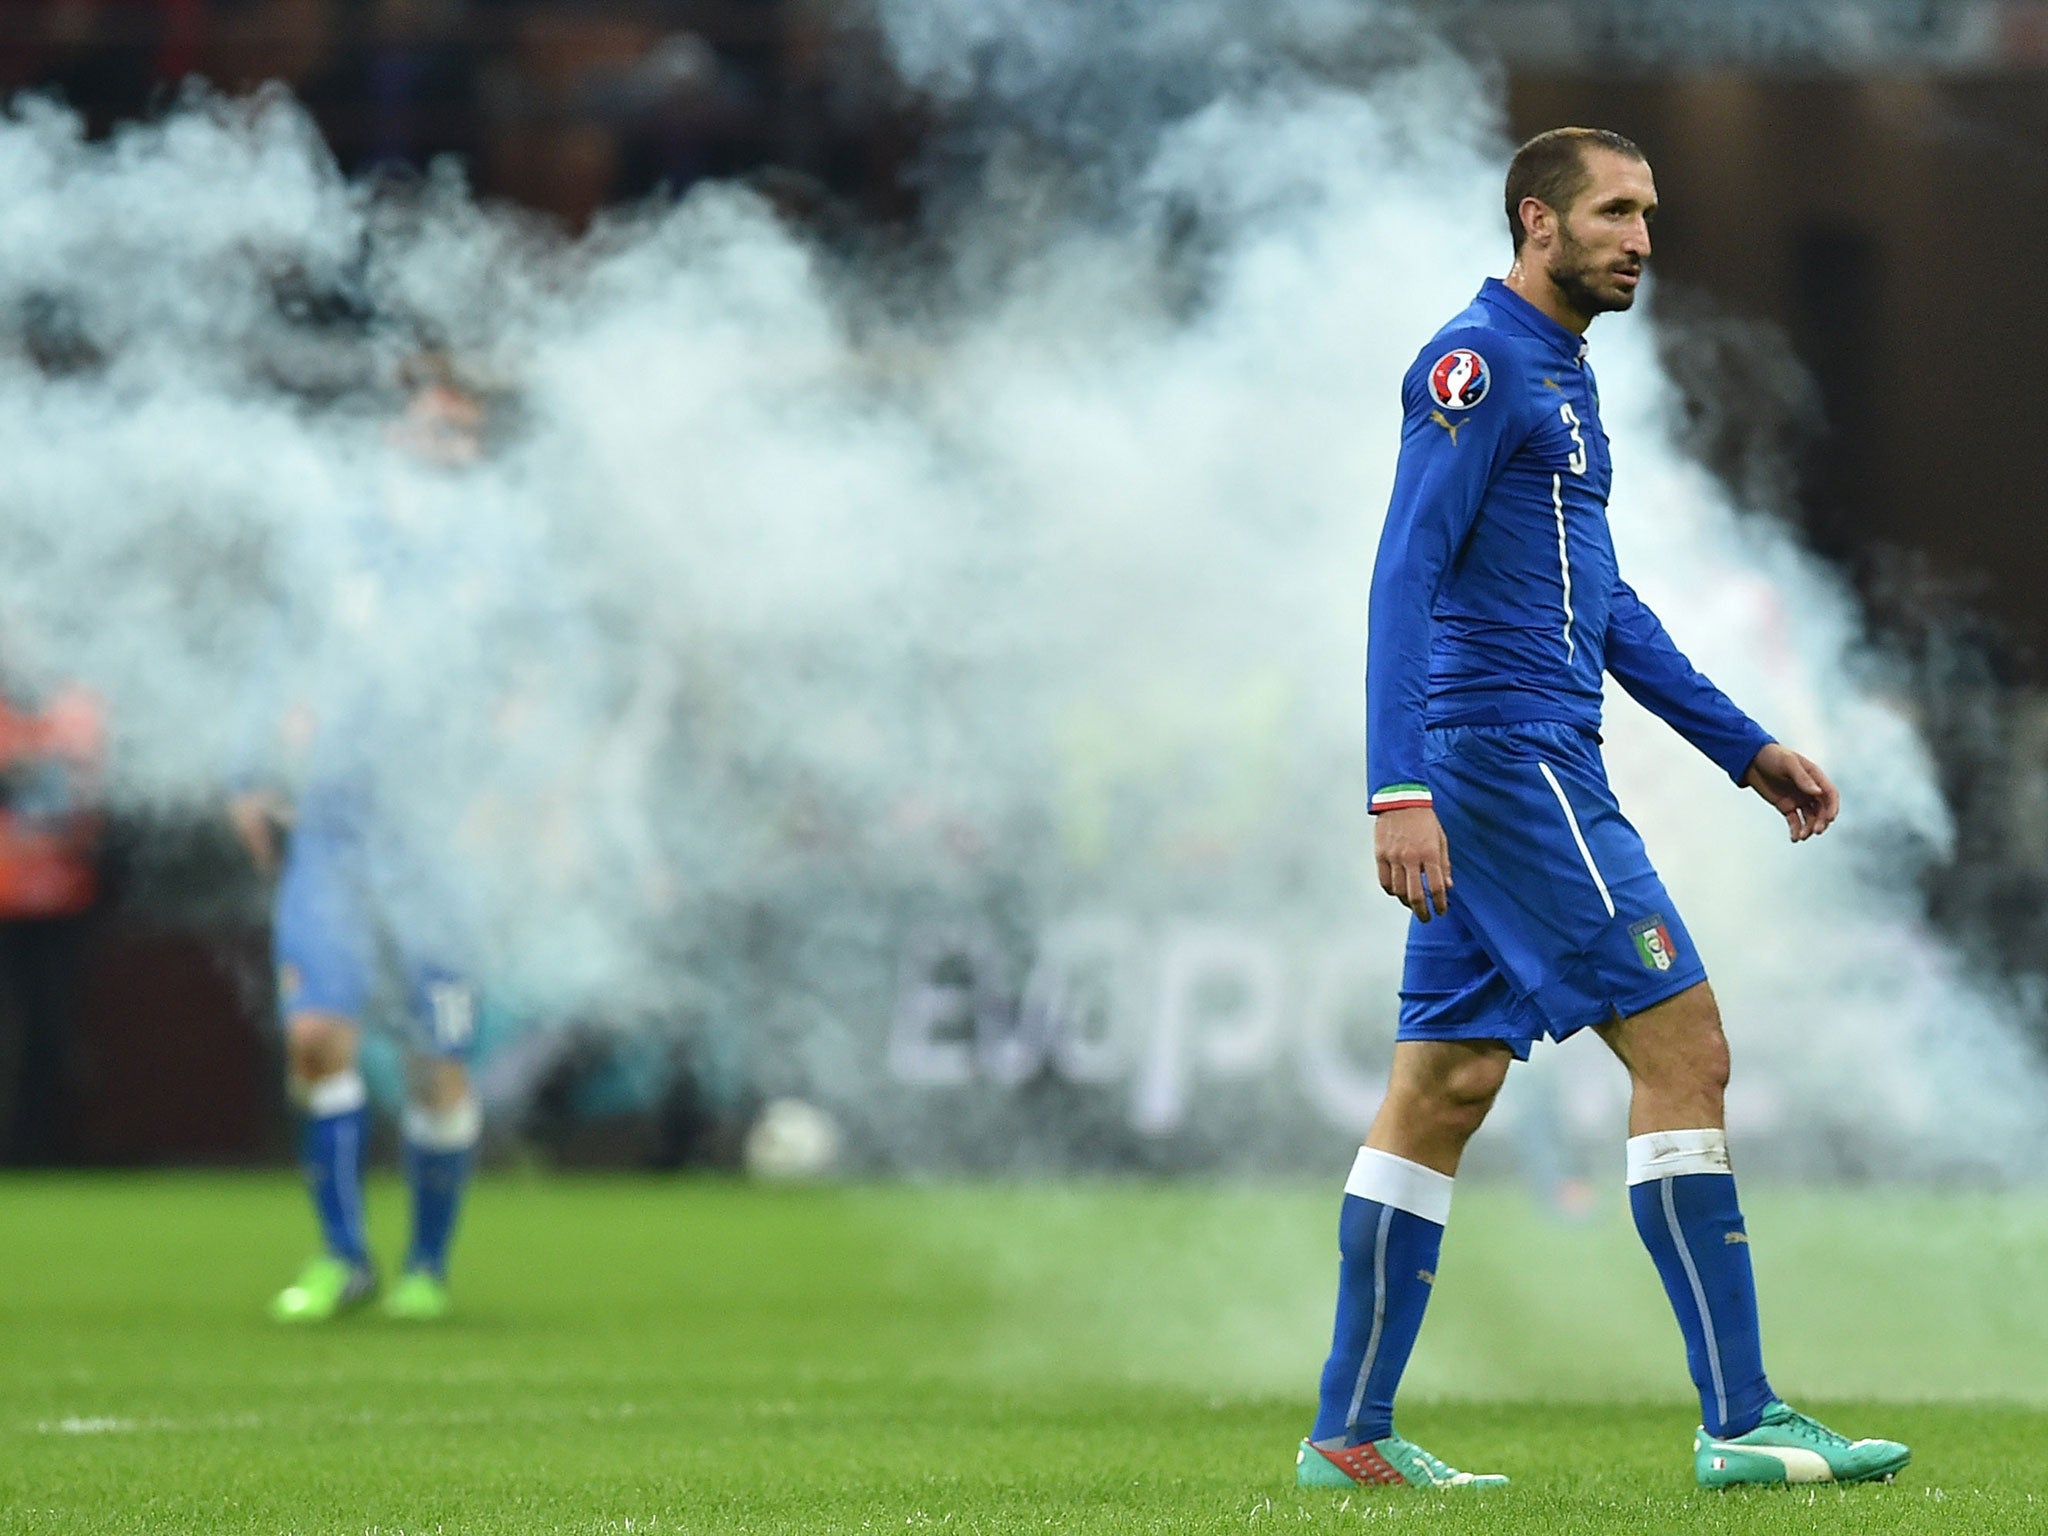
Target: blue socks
{"points": [[440, 1147], [1683, 1197], [1391, 1228], [333, 1157]]}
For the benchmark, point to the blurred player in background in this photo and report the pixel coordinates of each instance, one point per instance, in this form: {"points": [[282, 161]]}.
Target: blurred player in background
{"points": [[369, 899], [1496, 609]]}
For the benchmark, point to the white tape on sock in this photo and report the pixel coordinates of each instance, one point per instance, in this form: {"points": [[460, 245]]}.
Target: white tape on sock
{"points": [[454, 1129], [342, 1093], [1668, 1154], [1404, 1185]]}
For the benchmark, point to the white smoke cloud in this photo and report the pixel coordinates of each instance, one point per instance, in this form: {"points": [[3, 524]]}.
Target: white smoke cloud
{"points": [[804, 615]]}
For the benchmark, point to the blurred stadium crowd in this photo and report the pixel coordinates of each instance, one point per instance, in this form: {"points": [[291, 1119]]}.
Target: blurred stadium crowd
{"points": [[560, 106]]}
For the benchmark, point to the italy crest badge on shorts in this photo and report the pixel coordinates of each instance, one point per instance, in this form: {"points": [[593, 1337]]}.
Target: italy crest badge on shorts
{"points": [[1459, 379], [1654, 945]]}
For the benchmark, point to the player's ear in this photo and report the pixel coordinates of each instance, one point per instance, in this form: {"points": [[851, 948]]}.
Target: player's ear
{"points": [[1538, 222]]}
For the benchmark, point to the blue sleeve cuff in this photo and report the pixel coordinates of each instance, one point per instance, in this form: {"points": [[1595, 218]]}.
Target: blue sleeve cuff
{"points": [[1742, 752]]}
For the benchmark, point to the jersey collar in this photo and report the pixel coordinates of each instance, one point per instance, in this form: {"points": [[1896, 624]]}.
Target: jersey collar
{"points": [[1523, 315]]}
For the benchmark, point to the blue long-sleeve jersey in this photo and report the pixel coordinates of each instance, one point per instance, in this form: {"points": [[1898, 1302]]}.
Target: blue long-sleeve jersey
{"points": [[1496, 597]]}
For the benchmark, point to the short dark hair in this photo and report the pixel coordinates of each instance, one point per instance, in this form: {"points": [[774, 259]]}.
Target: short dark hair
{"points": [[1552, 169]]}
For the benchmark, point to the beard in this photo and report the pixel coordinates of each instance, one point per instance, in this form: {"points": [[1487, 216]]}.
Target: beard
{"points": [[1577, 275]]}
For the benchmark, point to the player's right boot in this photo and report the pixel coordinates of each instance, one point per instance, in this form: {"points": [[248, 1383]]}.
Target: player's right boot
{"points": [[418, 1297], [1788, 1447], [1391, 1461], [326, 1288]]}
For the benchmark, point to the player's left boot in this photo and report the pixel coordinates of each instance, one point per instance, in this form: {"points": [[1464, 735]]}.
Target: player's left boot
{"points": [[1392, 1461], [418, 1297], [326, 1288], [1789, 1447]]}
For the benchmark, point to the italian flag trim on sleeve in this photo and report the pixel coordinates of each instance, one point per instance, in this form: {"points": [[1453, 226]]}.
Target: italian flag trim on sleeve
{"points": [[1399, 797]]}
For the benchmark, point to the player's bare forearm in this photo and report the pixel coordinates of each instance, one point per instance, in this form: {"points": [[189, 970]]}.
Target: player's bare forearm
{"points": [[1414, 859], [1794, 786]]}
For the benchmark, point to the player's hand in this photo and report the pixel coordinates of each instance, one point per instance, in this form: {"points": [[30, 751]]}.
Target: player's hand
{"points": [[1414, 859], [256, 815], [1796, 789]]}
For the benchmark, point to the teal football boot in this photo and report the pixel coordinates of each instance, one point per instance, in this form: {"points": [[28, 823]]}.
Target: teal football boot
{"points": [[326, 1288], [418, 1297], [1392, 1461], [1789, 1447]]}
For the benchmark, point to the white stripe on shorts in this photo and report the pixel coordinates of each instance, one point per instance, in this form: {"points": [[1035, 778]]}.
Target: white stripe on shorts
{"points": [[1578, 837]]}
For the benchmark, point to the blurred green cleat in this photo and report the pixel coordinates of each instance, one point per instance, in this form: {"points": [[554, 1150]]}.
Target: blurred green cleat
{"points": [[326, 1288], [1788, 1447], [417, 1298], [1391, 1461]]}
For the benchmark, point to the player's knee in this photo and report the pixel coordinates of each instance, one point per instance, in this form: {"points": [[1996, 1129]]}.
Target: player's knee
{"points": [[1696, 1082], [437, 1084], [1696, 1060], [1676, 1049], [1460, 1096], [1711, 1064], [1472, 1089], [319, 1045], [441, 1112]]}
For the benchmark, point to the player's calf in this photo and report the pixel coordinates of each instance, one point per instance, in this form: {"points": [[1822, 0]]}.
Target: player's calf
{"points": [[318, 1045], [441, 1135], [336, 1109]]}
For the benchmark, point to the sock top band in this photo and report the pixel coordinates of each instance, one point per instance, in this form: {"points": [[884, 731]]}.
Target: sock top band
{"points": [[1406, 1186], [339, 1093], [1668, 1154], [454, 1129]]}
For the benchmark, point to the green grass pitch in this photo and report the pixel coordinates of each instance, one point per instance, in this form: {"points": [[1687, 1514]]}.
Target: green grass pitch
{"points": [[634, 1355]]}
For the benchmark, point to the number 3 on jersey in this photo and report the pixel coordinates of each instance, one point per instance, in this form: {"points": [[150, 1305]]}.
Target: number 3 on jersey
{"points": [[1577, 462]]}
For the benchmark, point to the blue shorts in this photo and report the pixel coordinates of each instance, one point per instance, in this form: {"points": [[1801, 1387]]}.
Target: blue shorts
{"points": [[1556, 919], [332, 946]]}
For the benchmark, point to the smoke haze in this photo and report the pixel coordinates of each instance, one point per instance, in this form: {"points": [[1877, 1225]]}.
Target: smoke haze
{"points": [[821, 640]]}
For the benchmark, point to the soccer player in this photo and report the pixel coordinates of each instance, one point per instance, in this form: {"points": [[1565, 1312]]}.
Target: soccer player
{"points": [[1496, 608], [362, 891]]}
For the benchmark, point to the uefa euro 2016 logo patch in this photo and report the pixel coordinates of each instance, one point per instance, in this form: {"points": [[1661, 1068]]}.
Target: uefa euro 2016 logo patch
{"points": [[1654, 944], [1459, 380]]}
